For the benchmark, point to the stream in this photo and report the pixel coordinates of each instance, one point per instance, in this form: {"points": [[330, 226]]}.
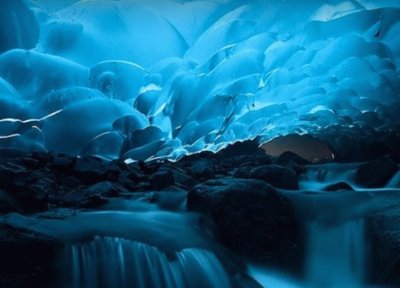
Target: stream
{"points": [[134, 243]]}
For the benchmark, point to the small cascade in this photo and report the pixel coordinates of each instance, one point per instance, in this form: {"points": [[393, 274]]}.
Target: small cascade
{"points": [[336, 255], [394, 182], [319, 176], [116, 262]]}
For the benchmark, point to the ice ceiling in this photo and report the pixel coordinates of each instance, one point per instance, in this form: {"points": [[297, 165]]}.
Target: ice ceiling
{"points": [[162, 78]]}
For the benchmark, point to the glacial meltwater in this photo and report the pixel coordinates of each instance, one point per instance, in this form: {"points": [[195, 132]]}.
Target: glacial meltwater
{"points": [[336, 255], [136, 243], [116, 262]]}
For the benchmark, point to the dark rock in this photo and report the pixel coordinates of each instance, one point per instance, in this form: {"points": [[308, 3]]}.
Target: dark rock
{"points": [[242, 163], [203, 168], [288, 158], [93, 202], [383, 232], [243, 172], [7, 153], [252, 219], [8, 203], [90, 169], [162, 179], [199, 165], [93, 195], [69, 182], [27, 259], [127, 183], [357, 143], [63, 163], [278, 176], [105, 188], [249, 147], [339, 186], [32, 189], [182, 179], [376, 173], [8, 175], [114, 169], [43, 158], [148, 168], [30, 163]]}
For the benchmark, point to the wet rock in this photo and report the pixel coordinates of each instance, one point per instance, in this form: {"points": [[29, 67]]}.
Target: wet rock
{"points": [[251, 218], [127, 182], [104, 188], [8, 203], [182, 179], [92, 196], [289, 158], [30, 163], [148, 168], [376, 173], [69, 182], [93, 202], [43, 158], [27, 259], [200, 165], [63, 163], [162, 179], [249, 147], [243, 172], [278, 176], [114, 169], [33, 189], [90, 169], [383, 230], [339, 186], [203, 168]]}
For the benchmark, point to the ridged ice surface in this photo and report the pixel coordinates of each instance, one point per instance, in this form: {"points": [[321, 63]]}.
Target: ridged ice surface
{"points": [[115, 262], [145, 79]]}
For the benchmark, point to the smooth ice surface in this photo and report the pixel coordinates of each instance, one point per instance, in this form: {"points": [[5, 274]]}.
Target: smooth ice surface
{"points": [[145, 79]]}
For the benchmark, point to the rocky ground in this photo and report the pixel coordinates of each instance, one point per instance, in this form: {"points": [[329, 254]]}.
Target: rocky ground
{"points": [[238, 189]]}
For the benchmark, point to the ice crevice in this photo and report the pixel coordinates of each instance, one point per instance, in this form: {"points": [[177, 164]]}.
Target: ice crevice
{"points": [[131, 79]]}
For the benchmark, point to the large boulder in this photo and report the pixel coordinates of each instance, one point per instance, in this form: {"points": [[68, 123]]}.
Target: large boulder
{"points": [[338, 186], [290, 158], [278, 176], [162, 179], [252, 219], [28, 259], [92, 196], [34, 190], [7, 203], [383, 231], [376, 173]]}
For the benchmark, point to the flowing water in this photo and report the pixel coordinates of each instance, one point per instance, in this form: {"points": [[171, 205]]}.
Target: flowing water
{"points": [[133, 243], [115, 262], [337, 246], [336, 255]]}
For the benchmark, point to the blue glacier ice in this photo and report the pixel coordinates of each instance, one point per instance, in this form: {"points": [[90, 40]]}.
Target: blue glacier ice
{"points": [[146, 79]]}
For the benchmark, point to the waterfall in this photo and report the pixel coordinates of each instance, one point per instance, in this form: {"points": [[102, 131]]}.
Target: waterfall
{"points": [[336, 255], [394, 182], [116, 262], [319, 176]]}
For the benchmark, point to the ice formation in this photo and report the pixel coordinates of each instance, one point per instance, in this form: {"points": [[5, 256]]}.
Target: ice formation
{"points": [[145, 79]]}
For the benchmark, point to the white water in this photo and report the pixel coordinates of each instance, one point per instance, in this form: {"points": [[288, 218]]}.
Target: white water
{"points": [[395, 181], [336, 255], [319, 176], [115, 262], [336, 258]]}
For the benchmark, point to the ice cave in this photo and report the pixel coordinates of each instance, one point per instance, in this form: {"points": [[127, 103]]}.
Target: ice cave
{"points": [[200, 143]]}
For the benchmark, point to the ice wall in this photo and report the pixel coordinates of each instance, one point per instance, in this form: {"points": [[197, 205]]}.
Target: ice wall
{"points": [[163, 78]]}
